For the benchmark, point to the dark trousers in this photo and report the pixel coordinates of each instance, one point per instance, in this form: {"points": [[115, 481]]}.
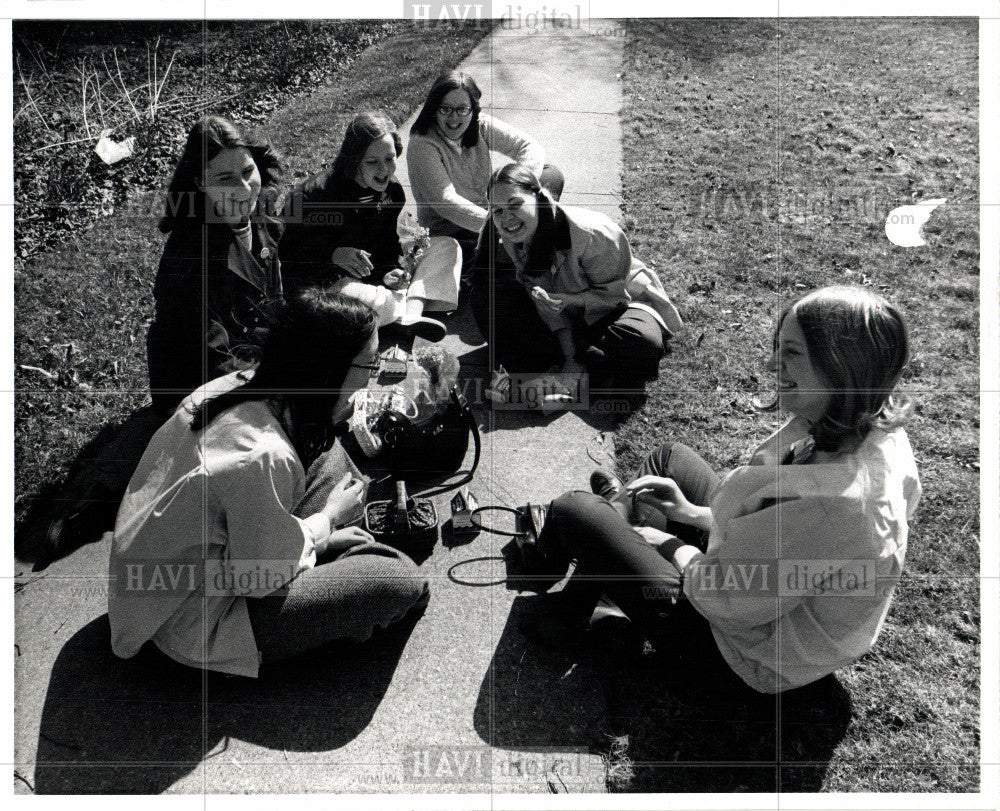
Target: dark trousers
{"points": [[622, 349], [612, 558], [349, 594]]}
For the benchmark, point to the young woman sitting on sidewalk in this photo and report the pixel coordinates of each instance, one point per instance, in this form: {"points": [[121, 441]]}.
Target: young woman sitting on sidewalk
{"points": [[449, 161], [789, 562], [233, 545], [341, 229], [219, 267], [220, 262], [558, 286]]}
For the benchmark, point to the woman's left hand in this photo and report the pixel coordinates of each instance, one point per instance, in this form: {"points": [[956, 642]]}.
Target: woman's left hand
{"points": [[540, 295], [341, 540], [397, 279]]}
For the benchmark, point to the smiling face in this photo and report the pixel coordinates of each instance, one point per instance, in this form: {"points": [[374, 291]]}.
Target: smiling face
{"points": [[802, 388], [231, 186], [454, 114], [378, 164], [514, 212]]}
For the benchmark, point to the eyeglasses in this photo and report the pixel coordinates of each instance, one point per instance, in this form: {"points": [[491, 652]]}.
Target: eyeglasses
{"points": [[446, 111], [373, 368]]}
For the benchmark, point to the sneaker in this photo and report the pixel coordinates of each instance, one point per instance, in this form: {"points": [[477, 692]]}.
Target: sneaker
{"points": [[606, 485]]}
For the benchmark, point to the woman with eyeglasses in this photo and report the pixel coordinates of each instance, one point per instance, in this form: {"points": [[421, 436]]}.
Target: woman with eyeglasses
{"points": [[448, 159], [234, 545]]}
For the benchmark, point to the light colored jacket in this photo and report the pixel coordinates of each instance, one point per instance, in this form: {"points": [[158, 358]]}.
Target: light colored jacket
{"points": [[206, 524], [598, 269], [802, 559]]}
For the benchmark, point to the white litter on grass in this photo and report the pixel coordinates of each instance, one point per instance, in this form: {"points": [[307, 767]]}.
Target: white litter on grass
{"points": [[111, 151], [903, 224]]}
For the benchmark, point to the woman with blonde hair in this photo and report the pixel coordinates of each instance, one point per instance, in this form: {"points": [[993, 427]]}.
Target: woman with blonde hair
{"points": [[786, 566]]}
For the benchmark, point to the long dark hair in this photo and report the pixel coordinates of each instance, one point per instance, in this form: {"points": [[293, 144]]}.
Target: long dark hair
{"points": [[210, 135], [541, 251], [860, 344], [312, 341], [361, 133], [442, 86]]}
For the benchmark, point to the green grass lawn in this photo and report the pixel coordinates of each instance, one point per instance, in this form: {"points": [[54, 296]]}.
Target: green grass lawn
{"points": [[81, 310], [760, 162]]}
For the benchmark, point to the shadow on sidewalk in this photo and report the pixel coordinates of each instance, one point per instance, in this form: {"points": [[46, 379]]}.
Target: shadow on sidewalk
{"points": [[87, 498], [113, 726], [661, 724]]}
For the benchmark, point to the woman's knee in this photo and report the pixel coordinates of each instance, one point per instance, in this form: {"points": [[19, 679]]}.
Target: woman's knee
{"points": [[393, 574], [553, 180], [658, 462], [573, 504]]}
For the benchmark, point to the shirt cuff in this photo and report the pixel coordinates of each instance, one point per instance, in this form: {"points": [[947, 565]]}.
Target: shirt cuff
{"points": [[317, 528], [683, 554]]}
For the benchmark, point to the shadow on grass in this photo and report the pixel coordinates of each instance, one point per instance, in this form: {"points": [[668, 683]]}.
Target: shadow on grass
{"points": [[669, 726], [91, 491], [111, 726]]}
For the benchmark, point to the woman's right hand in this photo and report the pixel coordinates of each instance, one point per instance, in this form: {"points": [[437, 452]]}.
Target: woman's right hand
{"points": [[354, 260], [554, 305], [397, 279], [664, 495], [343, 539], [343, 505]]}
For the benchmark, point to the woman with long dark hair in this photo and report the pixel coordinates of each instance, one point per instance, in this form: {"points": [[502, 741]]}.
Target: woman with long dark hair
{"points": [[220, 262], [783, 570], [234, 544], [557, 286], [341, 228], [449, 161]]}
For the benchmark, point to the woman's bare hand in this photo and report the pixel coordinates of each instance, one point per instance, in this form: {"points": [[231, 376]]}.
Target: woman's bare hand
{"points": [[343, 539], [397, 279], [343, 505], [540, 295], [354, 260], [664, 495]]}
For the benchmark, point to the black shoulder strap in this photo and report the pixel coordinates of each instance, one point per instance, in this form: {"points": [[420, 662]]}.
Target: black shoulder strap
{"points": [[470, 419]]}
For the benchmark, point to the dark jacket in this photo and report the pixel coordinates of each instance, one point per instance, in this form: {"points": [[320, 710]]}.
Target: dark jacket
{"points": [[209, 293], [327, 212]]}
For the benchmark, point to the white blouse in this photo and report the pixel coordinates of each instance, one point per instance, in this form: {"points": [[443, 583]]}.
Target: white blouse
{"points": [[802, 559]]}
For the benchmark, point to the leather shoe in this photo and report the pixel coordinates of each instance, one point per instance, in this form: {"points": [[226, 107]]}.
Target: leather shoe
{"points": [[430, 329], [606, 485]]}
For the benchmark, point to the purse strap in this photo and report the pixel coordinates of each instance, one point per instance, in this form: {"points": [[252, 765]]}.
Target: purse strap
{"points": [[470, 419]]}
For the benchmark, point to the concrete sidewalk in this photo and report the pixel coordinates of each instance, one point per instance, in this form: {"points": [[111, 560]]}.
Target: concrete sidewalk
{"points": [[463, 703]]}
